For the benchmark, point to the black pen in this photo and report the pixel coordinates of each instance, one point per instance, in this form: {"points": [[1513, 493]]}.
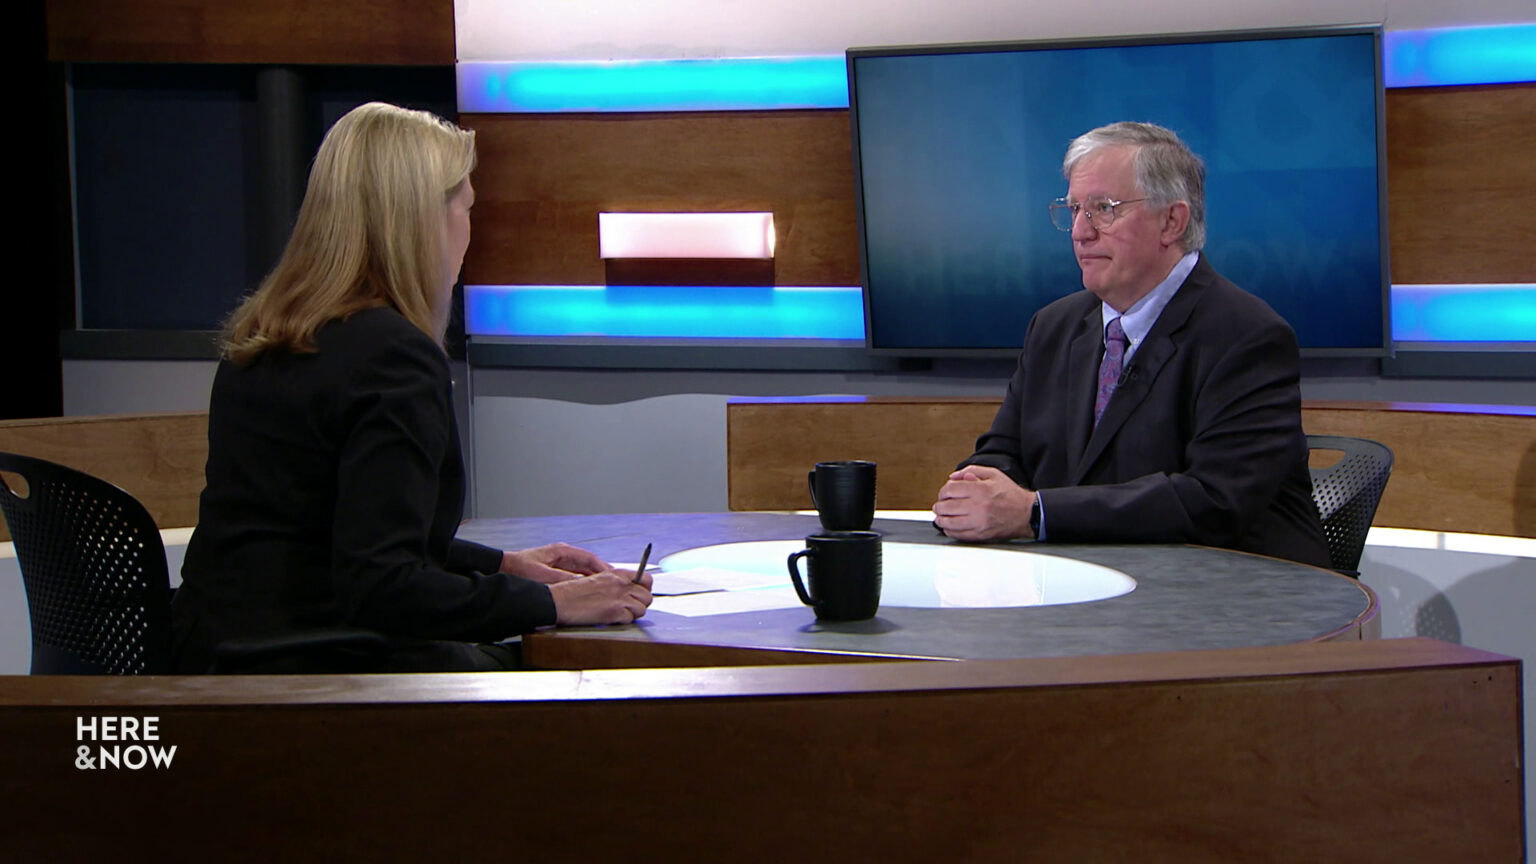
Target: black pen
{"points": [[644, 557]]}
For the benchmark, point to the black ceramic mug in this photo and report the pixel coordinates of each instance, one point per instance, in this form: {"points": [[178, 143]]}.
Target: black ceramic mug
{"points": [[842, 581], [843, 494]]}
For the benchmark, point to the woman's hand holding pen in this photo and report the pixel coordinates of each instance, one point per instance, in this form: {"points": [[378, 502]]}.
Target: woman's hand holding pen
{"points": [[586, 589], [611, 597]]}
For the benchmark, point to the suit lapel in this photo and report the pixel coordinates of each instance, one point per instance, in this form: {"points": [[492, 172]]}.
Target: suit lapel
{"points": [[1083, 365], [1141, 373]]}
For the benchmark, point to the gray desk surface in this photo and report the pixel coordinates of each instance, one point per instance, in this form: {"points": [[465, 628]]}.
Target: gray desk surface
{"points": [[1188, 597]]}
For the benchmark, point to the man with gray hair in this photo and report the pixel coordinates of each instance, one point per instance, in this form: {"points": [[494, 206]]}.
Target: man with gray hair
{"points": [[1162, 404]]}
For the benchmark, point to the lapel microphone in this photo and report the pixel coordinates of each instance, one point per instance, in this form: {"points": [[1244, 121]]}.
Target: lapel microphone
{"points": [[1127, 375]]}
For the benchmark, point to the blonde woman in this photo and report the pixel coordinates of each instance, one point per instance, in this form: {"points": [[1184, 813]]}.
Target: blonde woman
{"points": [[334, 478]]}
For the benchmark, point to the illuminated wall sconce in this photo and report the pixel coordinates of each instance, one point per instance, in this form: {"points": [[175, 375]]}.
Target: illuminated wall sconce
{"points": [[685, 235]]}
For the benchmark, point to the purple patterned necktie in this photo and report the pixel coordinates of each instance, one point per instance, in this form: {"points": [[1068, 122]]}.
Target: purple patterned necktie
{"points": [[1109, 367]]}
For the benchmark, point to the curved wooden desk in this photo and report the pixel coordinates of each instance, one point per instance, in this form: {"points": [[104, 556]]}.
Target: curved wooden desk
{"points": [[1269, 753], [1188, 598]]}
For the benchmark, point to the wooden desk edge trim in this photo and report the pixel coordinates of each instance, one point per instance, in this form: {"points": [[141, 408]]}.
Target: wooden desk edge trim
{"points": [[1355, 629], [557, 650], [1452, 408], [1318, 658], [1473, 408]]}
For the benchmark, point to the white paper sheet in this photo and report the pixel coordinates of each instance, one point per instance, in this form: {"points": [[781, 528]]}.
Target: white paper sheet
{"points": [[726, 602], [697, 580]]}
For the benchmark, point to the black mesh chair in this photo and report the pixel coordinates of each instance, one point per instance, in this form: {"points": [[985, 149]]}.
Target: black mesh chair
{"points": [[1347, 493], [98, 591], [94, 569]]}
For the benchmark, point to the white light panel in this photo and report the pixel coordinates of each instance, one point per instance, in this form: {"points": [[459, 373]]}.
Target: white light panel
{"points": [[685, 235]]}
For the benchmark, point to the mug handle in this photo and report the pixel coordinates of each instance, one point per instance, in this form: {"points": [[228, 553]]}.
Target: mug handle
{"points": [[794, 574], [810, 483]]}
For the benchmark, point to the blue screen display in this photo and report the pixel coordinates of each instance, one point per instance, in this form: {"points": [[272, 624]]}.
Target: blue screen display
{"points": [[958, 152]]}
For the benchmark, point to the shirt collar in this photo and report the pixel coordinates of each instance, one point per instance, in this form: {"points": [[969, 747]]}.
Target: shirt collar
{"points": [[1138, 320]]}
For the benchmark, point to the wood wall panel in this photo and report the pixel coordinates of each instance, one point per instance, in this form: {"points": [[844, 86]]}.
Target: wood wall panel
{"points": [[1452, 471], [158, 458], [1461, 176], [916, 443], [363, 32], [543, 179], [1400, 750]]}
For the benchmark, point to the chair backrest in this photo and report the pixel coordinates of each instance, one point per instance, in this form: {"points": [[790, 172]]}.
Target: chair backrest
{"points": [[98, 592], [1347, 493]]}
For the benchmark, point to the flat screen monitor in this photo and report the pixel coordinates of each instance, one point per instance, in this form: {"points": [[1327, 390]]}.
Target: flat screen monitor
{"points": [[957, 153]]}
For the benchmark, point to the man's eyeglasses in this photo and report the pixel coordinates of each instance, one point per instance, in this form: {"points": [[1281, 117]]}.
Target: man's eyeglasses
{"points": [[1100, 212]]}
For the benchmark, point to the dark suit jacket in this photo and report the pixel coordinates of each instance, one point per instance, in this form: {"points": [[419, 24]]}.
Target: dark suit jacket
{"points": [[334, 487], [1201, 443]]}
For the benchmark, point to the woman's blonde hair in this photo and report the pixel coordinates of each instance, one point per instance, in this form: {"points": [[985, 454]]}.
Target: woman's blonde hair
{"points": [[369, 233]]}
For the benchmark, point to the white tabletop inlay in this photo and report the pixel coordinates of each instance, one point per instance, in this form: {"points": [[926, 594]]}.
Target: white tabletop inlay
{"points": [[928, 576]]}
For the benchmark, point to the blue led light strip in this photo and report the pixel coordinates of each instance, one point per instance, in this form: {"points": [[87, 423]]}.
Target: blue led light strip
{"points": [[727, 84], [1410, 58], [653, 311], [1462, 55], [1420, 313], [1464, 313]]}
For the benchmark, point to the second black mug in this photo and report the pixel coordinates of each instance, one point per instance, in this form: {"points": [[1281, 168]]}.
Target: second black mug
{"points": [[842, 580], [843, 494]]}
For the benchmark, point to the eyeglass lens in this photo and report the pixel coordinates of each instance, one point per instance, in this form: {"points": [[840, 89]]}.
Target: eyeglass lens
{"points": [[1101, 212]]}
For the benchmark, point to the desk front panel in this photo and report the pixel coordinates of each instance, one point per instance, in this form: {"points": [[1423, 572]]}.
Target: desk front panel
{"points": [[1394, 750]]}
